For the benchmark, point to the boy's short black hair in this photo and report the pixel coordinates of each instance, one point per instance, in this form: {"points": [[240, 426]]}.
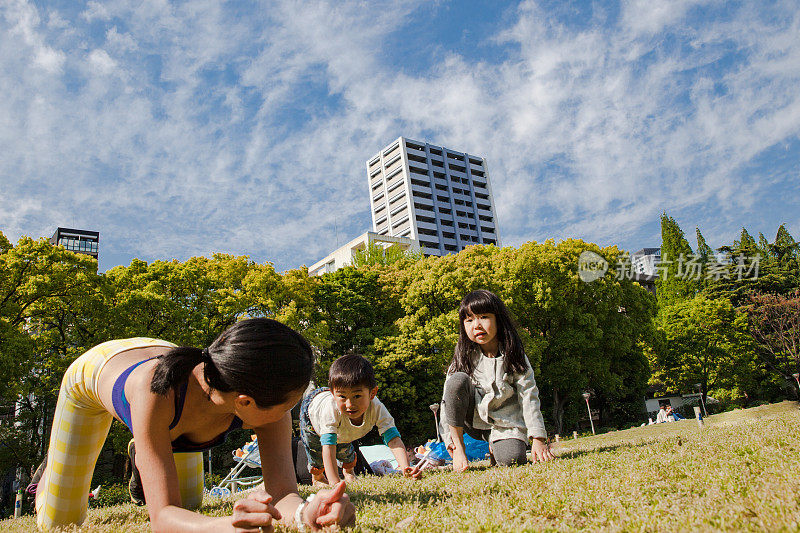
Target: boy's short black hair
{"points": [[350, 371]]}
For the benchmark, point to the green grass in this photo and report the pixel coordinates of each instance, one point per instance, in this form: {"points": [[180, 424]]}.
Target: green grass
{"points": [[741, 472]]}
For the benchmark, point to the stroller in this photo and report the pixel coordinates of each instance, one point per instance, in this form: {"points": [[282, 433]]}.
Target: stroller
{"points": [[246, 457]]}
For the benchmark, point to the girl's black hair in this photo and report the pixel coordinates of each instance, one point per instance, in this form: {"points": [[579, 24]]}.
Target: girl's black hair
{"points": [[259, 357], [482, 302]]}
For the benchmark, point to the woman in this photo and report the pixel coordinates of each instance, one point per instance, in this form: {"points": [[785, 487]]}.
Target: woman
{"points": [[178, 402]]}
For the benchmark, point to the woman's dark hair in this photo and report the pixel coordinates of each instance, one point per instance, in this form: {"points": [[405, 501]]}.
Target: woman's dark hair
{"points": [[482, 302], [259, 357]]}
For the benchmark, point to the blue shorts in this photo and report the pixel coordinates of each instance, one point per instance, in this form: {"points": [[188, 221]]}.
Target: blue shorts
{"points": [[345, 453]]}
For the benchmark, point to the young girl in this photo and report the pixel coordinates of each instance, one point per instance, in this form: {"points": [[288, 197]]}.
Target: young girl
{"points": [[179, 402], [490, 392]]}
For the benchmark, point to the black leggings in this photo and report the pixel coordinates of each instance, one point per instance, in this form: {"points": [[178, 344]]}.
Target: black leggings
{"points": [[458, 404]]}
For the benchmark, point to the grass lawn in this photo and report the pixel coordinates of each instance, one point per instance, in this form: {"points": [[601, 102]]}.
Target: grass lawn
{"points": [[741, 472]]}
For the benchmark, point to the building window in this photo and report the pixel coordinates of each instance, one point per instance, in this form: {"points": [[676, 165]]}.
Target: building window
{"points": [[391, 150]]}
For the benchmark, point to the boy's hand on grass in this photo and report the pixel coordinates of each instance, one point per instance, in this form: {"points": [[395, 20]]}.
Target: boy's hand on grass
{"points": [[330, 507], [254, 513], [412, 472], [540, 451]]}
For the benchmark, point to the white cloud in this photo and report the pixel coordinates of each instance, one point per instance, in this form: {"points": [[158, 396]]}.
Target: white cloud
{"points": [[101, 61], [49, 59]]}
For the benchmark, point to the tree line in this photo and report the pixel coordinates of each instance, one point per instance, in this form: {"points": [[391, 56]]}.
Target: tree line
{"points": [[734, 328], [609, 336]]}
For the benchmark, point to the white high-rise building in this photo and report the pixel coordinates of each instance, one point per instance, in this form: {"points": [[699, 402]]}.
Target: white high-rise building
{"points": [[437, 196], [646, 261]]}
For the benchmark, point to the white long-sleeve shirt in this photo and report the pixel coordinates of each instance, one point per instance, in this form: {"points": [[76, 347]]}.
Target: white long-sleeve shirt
{"points": [[507, 404]]}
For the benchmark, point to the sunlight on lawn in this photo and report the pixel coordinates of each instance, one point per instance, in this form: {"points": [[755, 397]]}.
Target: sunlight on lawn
{"points": [[739, 473]]}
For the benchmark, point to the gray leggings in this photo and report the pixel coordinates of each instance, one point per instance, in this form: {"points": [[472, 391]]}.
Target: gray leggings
{"points": [[458, 405]]}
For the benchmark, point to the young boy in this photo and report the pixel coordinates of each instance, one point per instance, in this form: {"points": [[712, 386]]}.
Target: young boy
{"points": [[331, 418]]}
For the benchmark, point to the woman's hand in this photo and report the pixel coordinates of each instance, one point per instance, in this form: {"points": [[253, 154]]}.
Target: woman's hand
{"points": [[254, 513], [540, 451], [329, 507]]}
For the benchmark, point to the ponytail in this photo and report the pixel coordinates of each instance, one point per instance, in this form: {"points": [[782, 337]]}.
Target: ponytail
{"points": [[259, 357], [174, 368]]}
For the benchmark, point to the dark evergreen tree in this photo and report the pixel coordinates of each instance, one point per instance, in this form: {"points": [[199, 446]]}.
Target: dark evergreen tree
{"points": [[673, 284]]}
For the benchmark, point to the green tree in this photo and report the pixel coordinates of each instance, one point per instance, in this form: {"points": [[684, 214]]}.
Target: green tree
{"points": [[375, 254], [706, 340], [751, 267], [774, 322], [410, 365], [589, 336], [357, 310], [673, 284], [50, 311]]}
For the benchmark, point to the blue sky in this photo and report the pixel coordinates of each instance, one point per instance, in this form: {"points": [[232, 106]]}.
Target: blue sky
{"points": [[183, 129]]}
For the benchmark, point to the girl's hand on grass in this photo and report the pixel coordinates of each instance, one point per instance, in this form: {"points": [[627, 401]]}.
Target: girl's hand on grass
{"points": [[254, 513], [540, 451], [330, 507], [460, 461]]}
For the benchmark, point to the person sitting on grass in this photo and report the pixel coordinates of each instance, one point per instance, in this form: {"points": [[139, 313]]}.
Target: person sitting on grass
{"points": [[331, 418], [490, 392], [178, 402]]}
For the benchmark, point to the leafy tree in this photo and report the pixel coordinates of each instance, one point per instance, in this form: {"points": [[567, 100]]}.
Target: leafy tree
{"points": [[588, 335], [673, 284], [774, 322], [375, 254], [357, 310], [706, 339], [50, 311], [751, 267], [705, 257], [410, 365]]}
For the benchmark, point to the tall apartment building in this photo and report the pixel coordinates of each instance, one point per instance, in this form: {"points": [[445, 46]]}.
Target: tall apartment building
{"points": [[437, 196], [78, 240]]}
